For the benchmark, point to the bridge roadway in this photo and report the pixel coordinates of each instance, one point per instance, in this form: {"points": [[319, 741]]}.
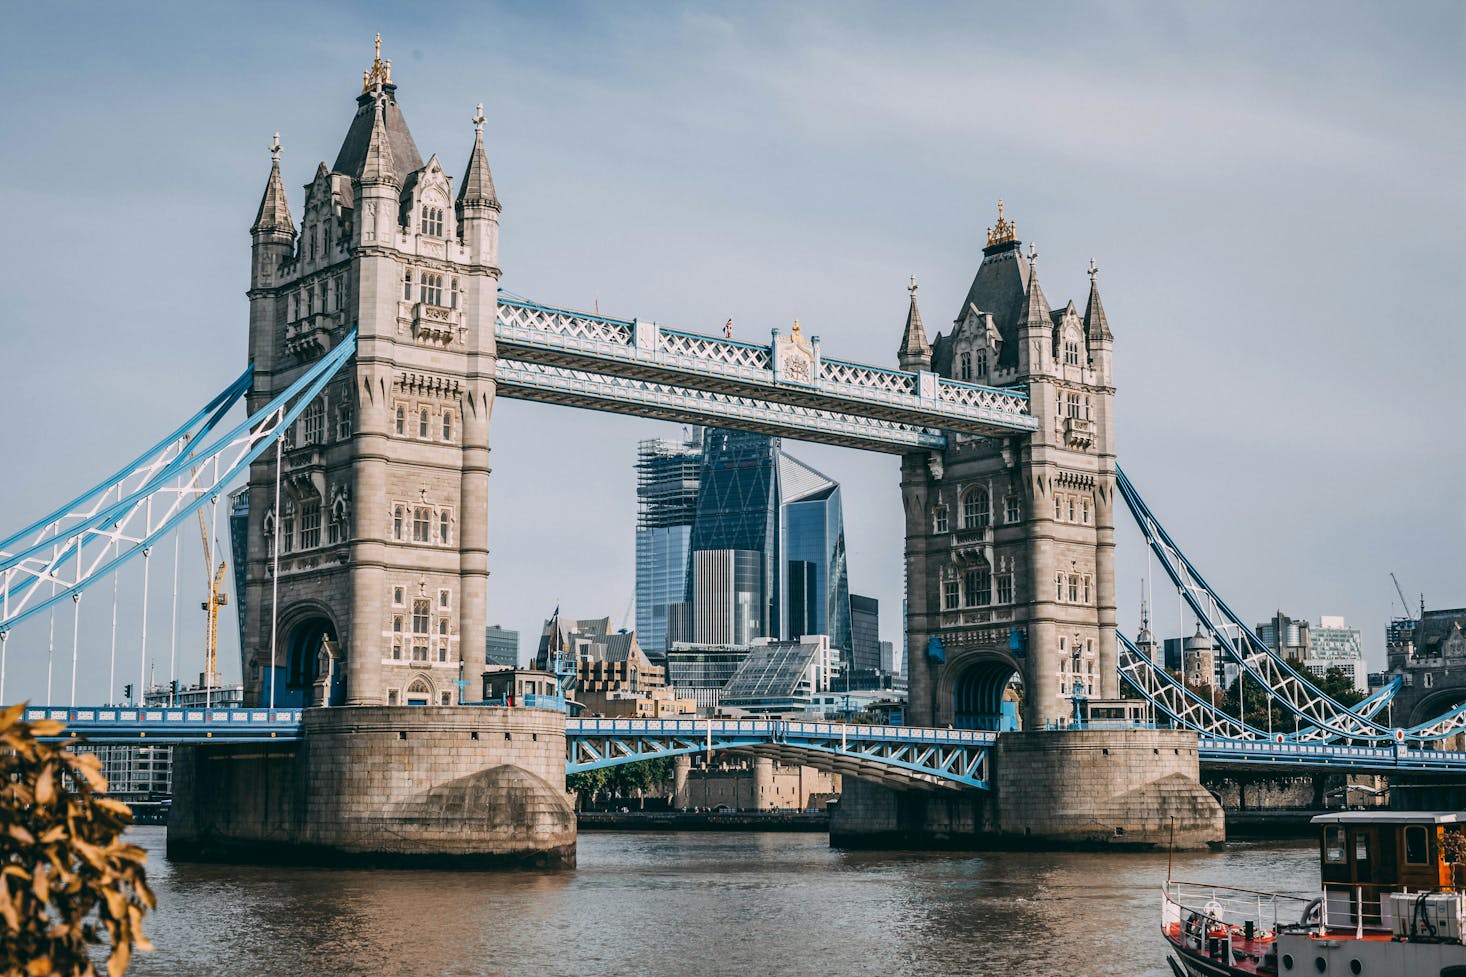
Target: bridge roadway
{"points": [[906, 757]]}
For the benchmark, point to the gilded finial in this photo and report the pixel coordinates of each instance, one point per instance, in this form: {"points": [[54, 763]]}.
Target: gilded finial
{"points": [[478, 119], [275, 148], [380, 72], [796, 327], [1004, 231], [1093, 270]]}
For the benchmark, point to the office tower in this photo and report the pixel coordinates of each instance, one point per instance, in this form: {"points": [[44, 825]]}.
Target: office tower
{"points": [[667, 477]]}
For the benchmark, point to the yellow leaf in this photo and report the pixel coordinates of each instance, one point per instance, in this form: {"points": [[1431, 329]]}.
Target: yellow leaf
{"points": [[117, 962], [21, 835], [41, 885], [46, 727], [7, 906], [46, 786], [39, 967], [10, 714]]}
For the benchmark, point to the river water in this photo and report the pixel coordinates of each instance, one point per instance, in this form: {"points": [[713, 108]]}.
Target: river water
{"points": [[693, 905]]}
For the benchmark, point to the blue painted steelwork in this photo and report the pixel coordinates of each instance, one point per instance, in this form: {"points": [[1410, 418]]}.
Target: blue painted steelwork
{"points": [[906, 757], [204, 420], [168, 726], [643, 358], [1320, 716], [1370, 759], [553, 384], [58, 561]]}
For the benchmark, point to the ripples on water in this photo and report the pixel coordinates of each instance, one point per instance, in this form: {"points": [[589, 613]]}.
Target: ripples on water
{"points": [[693, 905]]}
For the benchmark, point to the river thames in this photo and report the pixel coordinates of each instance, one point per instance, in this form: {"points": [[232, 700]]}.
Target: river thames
{"points": [[672, 905]]}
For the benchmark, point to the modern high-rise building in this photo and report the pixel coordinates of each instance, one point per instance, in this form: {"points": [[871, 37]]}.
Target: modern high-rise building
{"points": [[1287, 636], [501, 646], [732, 580], [736, 541], [865, 634], [1333, 644], [667, 475], [816, 585]]}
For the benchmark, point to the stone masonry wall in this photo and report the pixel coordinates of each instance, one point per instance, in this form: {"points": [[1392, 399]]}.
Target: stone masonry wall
{"points": [[451, 786], [1051, 789]]}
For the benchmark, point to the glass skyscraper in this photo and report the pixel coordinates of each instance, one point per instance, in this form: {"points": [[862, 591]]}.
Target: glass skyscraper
{"points": [[667, 480], [737, 540], [732, 582], [816, 585]]}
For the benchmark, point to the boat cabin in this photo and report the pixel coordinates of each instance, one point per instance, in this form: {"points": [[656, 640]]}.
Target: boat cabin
{"points": [[1393, 850]]}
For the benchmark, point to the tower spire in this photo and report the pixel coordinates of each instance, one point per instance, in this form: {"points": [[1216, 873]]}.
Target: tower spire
{"points": [[478, 181], [377, 166], [915, 352], [1096, 326], [1036, 312], [274, 212]]}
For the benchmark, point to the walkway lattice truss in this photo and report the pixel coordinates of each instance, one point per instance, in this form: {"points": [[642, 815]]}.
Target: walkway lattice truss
{"points": [[903, 757], [637, 367]]}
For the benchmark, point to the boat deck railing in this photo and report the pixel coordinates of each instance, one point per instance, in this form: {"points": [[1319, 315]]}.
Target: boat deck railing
{"points": [[1226, 923]]}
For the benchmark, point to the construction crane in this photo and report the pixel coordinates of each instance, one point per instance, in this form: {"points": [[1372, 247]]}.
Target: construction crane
{"points": [[217, 599], [1404, 604]]}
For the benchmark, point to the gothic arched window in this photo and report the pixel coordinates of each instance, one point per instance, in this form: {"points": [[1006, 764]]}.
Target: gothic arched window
{"points": [[432, 221], [401, 420], [982, 363], [422, 423], [976, 510], [964, 370]]}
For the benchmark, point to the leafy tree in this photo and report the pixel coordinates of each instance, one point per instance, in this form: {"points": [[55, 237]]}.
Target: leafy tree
{"points": [[62, 860], [622, 780], [1334, 683]]}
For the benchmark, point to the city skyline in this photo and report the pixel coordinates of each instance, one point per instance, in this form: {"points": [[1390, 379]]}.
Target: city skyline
{"points": [[1230, 265]]}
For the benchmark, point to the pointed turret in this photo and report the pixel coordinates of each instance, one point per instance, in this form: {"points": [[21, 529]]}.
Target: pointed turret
{"points": [[478, 204], [377, 165], [915, 353], [478, 182], [1035, 313], [274, 213], [1096, 326]]}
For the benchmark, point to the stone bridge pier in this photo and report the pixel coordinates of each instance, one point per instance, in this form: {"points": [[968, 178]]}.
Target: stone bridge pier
{"points": [[456, 787]]}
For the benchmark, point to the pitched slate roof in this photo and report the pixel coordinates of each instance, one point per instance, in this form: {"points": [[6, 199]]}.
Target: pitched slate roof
{"points": [[1000, 288], [353, 155]]}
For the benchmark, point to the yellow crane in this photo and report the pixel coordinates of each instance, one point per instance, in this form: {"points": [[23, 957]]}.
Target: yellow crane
{"points": [[217, 599]]}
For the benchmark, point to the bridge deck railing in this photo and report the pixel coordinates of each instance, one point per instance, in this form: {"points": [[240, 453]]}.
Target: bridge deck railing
{"points": [[694, 355]]}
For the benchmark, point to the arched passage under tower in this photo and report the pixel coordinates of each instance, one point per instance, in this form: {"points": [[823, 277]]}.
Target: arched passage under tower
{"points": [[310, 651], [971, 693]]}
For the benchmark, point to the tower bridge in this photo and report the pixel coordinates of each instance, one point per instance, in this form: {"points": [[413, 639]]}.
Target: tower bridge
{"points": [[379, 338]]}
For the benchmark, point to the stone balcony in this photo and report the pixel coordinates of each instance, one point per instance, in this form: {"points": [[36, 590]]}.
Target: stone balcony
{"points": [[1079, 431], [973, 542], [436, 323], [309, 337]]}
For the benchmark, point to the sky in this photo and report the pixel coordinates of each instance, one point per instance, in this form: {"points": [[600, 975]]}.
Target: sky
{"points": [[1272, 191]]}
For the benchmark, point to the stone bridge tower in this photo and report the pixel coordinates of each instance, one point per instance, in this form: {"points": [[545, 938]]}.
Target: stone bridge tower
{"points": [[382, 520], [1010, 542]]}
